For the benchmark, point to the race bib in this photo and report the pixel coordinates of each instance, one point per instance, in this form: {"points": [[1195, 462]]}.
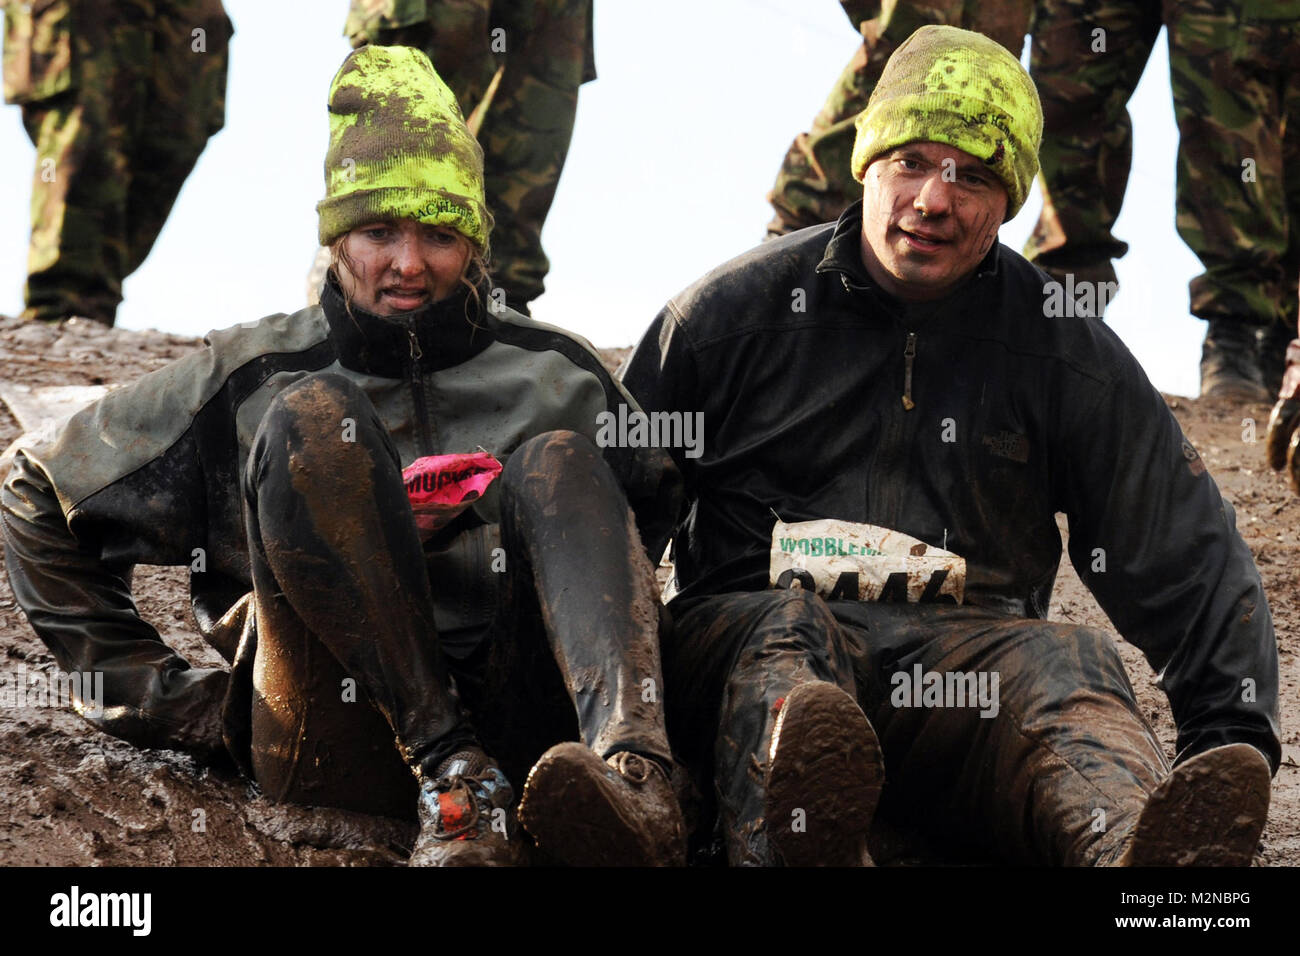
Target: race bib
{"points": [[843, 560], [442, 486]]}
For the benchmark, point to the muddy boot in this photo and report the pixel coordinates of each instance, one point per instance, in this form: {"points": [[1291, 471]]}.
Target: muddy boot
{"points": [[1230, 363], [585, 811], [465, 817], [825, 772], [1209, 811], [1273, 341]]}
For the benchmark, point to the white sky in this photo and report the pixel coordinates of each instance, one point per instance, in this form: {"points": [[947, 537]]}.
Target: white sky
{"points": [[675, 148]]}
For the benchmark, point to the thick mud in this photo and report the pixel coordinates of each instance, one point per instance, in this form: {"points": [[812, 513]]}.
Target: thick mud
{"points": [[70, 795]]}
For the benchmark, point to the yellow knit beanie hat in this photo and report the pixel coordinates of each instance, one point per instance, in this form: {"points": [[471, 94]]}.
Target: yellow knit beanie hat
{"points": [[945, 85], [399, 149]]}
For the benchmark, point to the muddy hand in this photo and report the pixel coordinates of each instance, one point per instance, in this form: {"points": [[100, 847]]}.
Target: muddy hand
{"points": [[1284, 423]]}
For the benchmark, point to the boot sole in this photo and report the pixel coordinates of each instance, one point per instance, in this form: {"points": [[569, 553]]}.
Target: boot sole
{"points": [[572, 809], [1209, 811], [825, 761]]}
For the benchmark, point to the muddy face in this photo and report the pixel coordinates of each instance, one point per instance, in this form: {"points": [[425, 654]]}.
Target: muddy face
{"points": [[393, 266], [930, 214]]}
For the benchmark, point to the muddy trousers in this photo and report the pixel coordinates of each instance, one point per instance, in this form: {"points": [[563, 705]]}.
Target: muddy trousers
{"points": [[348, 658], [1049, 765]]}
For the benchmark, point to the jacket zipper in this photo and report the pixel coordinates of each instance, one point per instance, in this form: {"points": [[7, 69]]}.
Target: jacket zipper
{"points": [[909, 353], [417, 390]]}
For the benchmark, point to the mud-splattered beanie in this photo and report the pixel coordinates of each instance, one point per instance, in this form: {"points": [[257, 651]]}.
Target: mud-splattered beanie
{"points": [[399, 148], [945, 85]]}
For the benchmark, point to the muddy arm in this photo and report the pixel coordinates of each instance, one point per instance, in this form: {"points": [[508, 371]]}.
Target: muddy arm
{"points": [[1153, 539], [661, 376], [77, 599]]}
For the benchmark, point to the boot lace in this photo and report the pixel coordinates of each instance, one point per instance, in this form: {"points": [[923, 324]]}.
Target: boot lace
{"points": [[471, 785]]}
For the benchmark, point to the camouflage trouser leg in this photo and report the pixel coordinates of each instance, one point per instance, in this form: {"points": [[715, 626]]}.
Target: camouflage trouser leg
{"points": [[114, 148], [344, 600], [69, 269], [185, 104], [1058, 775], [543, 50], [815, 184], [1085, 79], [1235, 94], [526, 132]]}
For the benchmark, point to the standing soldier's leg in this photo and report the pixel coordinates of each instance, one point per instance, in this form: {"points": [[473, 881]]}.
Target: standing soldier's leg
{"points": [[454, 34], [1276, 52], [78, 105], [1086, 61], [1231, 189], [185, 104], [814, 184], [546, 47]]}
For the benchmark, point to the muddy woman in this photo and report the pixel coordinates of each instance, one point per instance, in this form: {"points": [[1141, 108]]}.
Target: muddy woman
{"points": [[379, 663]]}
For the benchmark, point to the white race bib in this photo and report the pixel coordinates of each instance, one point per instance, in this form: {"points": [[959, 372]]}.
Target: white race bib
{"points": [[843, 560]]}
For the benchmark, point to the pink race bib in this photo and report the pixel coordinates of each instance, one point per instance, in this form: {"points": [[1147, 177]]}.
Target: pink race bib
{"points": [[442, 486]]}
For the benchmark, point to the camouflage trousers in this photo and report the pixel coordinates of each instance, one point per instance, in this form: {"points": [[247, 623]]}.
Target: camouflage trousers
{"points": [[119, 99], [1236, 100], [1054, 772], [343, 600], [815, 183], [515, 69]]}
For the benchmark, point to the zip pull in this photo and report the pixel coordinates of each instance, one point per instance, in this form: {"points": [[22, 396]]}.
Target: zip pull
{"points": [[909, 354], [416, 352]]}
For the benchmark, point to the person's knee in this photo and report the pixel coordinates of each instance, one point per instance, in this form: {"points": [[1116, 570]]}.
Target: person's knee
{"points": [[539, 468], [795, 606], [318, 418], [1070, 658], [549, 452], [794, 623], [1095, 653], [321, 406]]}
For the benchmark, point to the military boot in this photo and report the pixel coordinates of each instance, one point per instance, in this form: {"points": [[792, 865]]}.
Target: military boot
{"points": [[1209, 811], [584, 811], [465, 817], [1230, 363], [1273, 341], [825, 771]]}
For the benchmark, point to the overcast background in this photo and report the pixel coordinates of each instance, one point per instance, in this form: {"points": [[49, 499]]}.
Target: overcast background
{"points": [[675, 148]]}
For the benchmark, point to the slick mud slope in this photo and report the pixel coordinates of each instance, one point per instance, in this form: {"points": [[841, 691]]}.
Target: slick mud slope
{"points": [[70, 795]]}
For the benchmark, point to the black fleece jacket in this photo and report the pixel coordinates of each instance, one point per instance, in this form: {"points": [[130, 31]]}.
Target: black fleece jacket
{"points": [[800, 365]]}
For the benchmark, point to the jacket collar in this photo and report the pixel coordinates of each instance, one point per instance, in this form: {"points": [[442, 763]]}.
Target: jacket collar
{"points": [[844, 254], [440, 334]]}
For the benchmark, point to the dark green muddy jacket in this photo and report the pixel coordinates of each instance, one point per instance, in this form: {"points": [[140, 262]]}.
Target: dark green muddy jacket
{"points": [[150, 474]]}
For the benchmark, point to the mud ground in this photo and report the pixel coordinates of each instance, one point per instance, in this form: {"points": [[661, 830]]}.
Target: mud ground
{"points": [[70, 795]]}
